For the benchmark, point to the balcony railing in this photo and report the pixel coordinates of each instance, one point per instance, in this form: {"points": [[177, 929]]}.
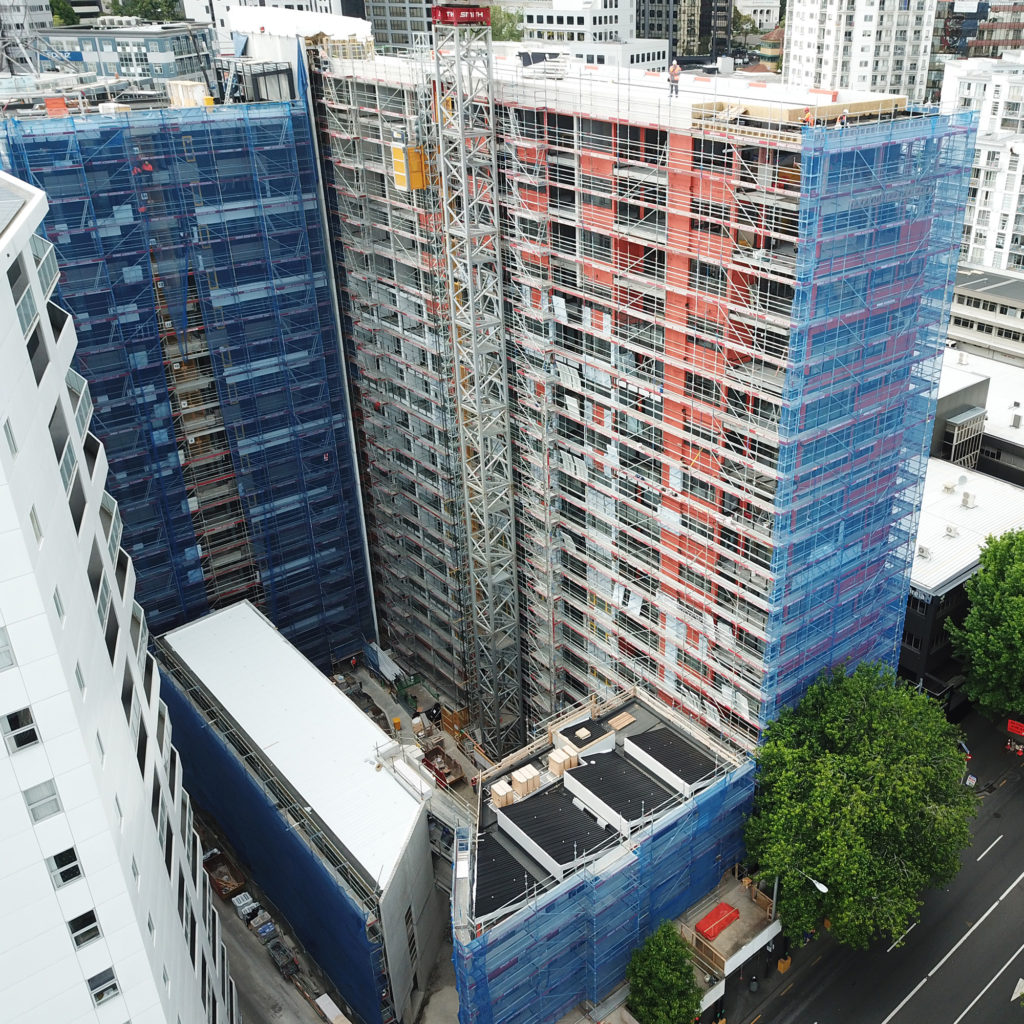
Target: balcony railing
{"points": [[46, 263], [27, 311], [81, 399]]}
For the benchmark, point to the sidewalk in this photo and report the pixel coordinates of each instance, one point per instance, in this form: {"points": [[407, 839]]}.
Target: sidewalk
{"points": [[741, 1005], [990, 763], [990, 760]]}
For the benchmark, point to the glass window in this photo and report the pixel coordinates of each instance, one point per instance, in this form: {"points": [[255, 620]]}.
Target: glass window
{"points": [[84, 928], [42, 800], [19, 729], [103, 986], [64, 867]]}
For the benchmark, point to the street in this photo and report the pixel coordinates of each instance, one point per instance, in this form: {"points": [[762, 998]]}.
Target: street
{"points": [[960, 963]]}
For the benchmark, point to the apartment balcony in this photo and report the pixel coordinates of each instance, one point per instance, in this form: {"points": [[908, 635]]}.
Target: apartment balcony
{"points": [[46, 264]]}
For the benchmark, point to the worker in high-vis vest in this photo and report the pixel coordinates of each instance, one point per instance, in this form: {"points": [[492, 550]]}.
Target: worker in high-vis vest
{"points": [[674, 72]]}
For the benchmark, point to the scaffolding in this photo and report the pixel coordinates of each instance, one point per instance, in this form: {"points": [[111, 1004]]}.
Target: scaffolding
{"points": [[723, 330], [193, 256], [467, 158], [570, 944]]}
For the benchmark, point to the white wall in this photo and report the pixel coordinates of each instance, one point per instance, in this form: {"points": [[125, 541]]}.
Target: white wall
{"points": [[105, 799]]}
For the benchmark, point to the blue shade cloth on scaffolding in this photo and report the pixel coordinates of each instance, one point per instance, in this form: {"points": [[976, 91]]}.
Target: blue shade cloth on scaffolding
{"points": [[573, 942], [327, 920], [194, 261], [880, 211]]}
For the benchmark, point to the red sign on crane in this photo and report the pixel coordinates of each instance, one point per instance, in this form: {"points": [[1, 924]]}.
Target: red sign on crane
{"points": [[461, 15]]}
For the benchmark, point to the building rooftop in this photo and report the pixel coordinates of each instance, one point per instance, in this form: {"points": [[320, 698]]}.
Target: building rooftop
{"points": [[683, 758], [1005, 392], [616, 781], [315, 737], [604, 91], [991, 285], [561, 829], [950, 534], [636, 768]]}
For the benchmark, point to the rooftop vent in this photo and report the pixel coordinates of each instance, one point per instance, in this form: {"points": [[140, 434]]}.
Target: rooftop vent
{"points": [[1015, 421], [968, 500], [949, 487]]}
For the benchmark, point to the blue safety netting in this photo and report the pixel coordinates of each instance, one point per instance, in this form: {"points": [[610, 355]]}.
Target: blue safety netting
{"points": [[328, 921], [194, 260], [573, 943]]}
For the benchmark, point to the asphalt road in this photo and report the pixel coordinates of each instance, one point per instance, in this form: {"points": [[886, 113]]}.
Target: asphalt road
{"points": [[958, 965]]}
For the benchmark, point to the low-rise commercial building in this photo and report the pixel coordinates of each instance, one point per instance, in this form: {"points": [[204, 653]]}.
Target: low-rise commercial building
{"points": [[321, 806]]}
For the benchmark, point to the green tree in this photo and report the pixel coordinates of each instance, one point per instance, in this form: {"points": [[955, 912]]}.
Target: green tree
{"points": [[63, 13], [148, 10], [662, 986], [860, 787], [743, 26], [991, 639], [505, 24]]}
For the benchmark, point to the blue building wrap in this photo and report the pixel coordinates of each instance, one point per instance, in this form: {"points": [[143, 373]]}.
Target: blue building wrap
{"points": [[881, 209], [194, 261], [573, 943], [327, 920]]}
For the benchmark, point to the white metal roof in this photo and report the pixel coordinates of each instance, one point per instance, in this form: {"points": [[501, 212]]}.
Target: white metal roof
{"points": [[1005, 392], [953, 534], [315, 736]]}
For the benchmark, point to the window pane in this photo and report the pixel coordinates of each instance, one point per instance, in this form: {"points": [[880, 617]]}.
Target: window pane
{"points": [[64, 867], [19, 730]]}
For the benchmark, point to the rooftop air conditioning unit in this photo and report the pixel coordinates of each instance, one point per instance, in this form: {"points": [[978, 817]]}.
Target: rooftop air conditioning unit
{"points": [[952, 531], [968, 500], [923, 552], [949, 487]]}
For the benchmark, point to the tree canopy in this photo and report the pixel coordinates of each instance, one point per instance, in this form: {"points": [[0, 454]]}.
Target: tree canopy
{"points": [[63, 13], [148, 10], [743, 26], [505, 25], [991, 639], [662, 986], [860, 787]]}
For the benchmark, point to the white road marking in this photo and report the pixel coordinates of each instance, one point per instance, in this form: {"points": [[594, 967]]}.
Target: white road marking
{"points": [[905, 1001], [989, 985], [987, 848], [1013, 885], [966, 936], [902, 937]]}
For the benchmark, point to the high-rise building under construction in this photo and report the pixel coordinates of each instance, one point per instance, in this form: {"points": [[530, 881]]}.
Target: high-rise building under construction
{"points": [[684, 346], [195, 264]]}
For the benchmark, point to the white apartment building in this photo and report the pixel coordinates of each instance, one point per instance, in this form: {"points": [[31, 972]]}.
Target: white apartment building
{"points": [[994, 223], [216, 13], [107, 913], [880, 45], [594, 31]]}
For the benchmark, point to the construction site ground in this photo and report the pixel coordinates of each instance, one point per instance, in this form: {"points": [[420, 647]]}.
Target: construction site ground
{"points": [[264, 995]]}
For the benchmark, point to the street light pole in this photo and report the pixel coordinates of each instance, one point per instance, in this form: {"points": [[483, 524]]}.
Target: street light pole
{"points": [[820, 886], [817, 885]]}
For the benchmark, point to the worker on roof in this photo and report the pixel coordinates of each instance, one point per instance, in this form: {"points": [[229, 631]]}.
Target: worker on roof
{"points": [[842, 120], [674, 71], [808, 118]]}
